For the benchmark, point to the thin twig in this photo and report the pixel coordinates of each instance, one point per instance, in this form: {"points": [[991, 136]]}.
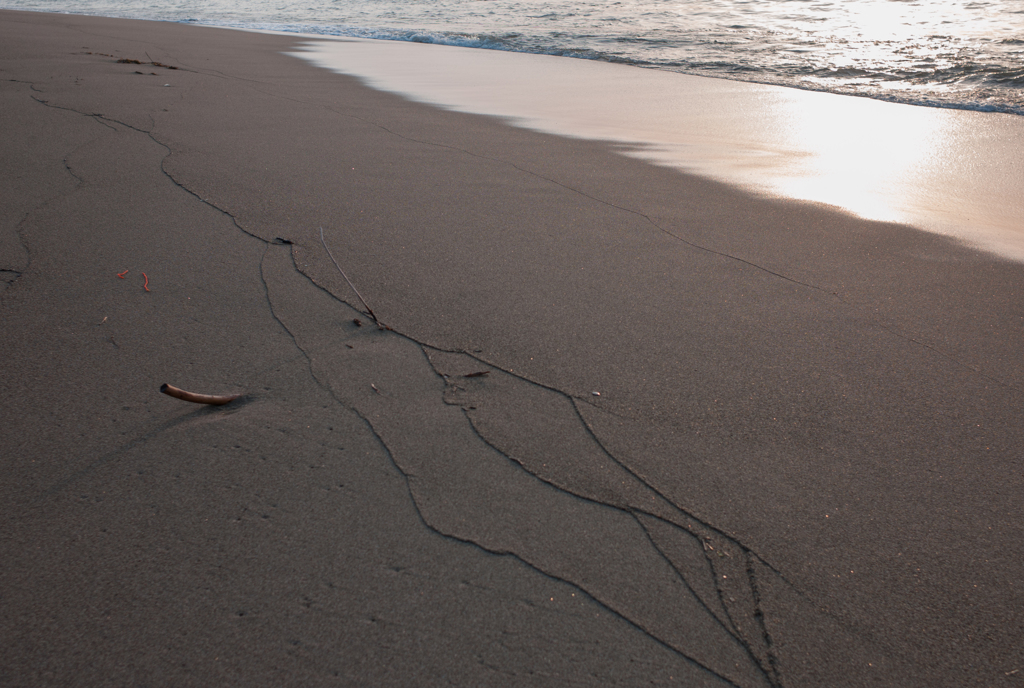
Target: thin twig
{"points": [[361, 299]]}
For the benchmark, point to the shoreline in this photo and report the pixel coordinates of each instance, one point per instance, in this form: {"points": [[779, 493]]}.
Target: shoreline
{"points": [[430, 33], [944, 171], [624, 424]]}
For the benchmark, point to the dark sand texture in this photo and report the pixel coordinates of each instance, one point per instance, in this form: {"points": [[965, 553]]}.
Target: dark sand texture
{"points": [[804, 467]]}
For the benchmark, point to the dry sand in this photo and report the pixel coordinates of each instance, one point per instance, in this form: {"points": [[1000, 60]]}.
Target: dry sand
{"points": [[803, 467]]}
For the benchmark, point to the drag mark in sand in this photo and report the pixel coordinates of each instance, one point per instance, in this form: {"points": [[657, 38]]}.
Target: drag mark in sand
{"points": [[10, 273], [514, 416], [464, 450], [109, 122]]}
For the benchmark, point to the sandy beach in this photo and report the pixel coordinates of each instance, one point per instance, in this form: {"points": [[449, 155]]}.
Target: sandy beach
{"points": [[608, 423]]}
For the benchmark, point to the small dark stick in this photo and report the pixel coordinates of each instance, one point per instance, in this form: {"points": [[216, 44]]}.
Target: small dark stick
{"points": [[214, 399]]}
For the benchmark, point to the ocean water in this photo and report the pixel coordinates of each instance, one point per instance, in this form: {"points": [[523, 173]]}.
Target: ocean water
{"points": [[945, 53]]}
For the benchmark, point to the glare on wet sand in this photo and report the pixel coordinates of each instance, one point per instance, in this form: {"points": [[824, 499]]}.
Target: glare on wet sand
{"points": [[949, 171]]}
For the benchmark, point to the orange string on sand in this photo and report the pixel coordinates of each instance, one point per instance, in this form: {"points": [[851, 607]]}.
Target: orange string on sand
{"points": [[122, 274], [146, 285]]}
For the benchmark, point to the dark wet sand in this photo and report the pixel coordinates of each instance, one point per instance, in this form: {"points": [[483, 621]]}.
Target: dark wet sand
{"points": [[803, 468]]}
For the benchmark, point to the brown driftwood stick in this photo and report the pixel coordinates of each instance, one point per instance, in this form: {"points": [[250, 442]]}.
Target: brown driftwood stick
{"points": [[216, 400]]}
